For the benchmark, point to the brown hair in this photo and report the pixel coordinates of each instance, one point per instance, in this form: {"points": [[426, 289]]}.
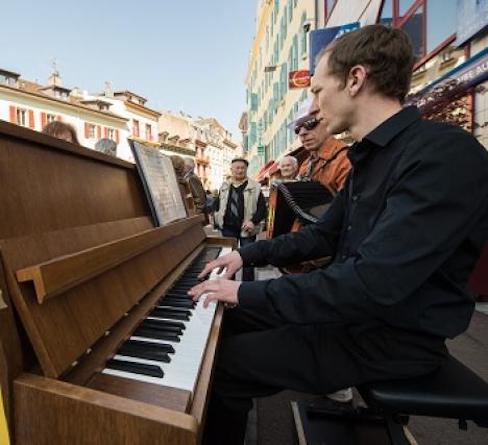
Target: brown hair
{"points": [[386, 53], [59, 129], [178, 164]]}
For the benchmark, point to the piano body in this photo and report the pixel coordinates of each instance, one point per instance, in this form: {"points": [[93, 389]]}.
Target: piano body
{"points": [[98, 344]]}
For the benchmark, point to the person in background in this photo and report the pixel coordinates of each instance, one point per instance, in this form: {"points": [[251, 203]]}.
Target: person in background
{"points": [[240, 208], [61, 130], [288, 168], [107, 146], [404, 233], [196, 187], [179, 167], [327, 161]]}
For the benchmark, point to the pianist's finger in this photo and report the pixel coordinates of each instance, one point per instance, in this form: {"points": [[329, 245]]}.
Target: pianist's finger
{"points": [[208, 268]]}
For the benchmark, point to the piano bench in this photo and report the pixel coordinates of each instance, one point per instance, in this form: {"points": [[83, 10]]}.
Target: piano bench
{"points": [[453, 391]]}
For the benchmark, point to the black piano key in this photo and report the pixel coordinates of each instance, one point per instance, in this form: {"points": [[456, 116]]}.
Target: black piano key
{"points": [[188, 304], [157, 334], [171, 313], [144, 352], [162, 327], [165, 347], [177, 324], [180, 289], [135, 368], [181, 295]]}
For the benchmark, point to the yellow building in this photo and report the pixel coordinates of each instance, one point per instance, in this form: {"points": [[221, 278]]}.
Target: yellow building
{"points": [[280, 46]]}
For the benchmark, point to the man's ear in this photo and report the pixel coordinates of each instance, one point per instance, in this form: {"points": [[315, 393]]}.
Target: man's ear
{"points": [[356, 79]]}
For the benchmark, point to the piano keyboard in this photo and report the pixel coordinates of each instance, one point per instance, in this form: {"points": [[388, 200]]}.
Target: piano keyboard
{"points": [[168, 346]]}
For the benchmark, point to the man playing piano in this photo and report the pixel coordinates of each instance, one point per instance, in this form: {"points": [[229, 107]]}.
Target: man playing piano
{"points": [[404, 233]]}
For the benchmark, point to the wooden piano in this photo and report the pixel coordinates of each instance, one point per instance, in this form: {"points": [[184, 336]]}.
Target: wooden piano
{"points": [[97, 343]]}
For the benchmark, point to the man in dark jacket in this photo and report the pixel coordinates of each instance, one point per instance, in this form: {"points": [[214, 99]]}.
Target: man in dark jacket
{"points": [[404, 232], [196, 187]]}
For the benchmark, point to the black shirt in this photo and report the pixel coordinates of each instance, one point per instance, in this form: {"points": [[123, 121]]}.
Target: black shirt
{"points": [[405, 232]]}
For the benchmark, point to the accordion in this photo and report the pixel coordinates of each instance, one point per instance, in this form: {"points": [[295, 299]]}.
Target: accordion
{"points": [[294, 201]]}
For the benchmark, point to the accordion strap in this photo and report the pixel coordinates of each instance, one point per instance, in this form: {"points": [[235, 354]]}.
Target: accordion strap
{"points": [[294, 206]]}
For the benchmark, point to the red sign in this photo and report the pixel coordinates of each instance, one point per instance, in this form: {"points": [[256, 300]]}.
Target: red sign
{"points": [[299, 79]]}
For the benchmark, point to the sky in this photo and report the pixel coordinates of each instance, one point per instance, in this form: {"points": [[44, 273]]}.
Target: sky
{"points": [[180, 55]]}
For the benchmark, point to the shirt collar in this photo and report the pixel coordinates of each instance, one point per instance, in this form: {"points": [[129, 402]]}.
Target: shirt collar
{"points": [[384, 133], [394, 125]]}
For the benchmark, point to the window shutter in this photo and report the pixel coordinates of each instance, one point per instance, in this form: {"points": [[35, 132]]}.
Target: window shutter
{"points": [[87, 130], [43, 120], [105, 132], [32, 123], [13, 114], [99, 132], [117, 137], [58, 117]]}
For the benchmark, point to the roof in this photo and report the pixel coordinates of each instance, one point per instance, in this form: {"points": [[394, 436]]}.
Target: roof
{"points": [[35, 89], [129, 93], [9, 73]]}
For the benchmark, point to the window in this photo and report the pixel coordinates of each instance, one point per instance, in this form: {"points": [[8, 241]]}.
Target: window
{"points": [[303, 43], [7, 80], [406, 4], [50, 118], [91, 131], [148, 132], [386, 17], [413, 26], [430, 24], [22, 117], [439, 30], [135, 128], [111, 133]]}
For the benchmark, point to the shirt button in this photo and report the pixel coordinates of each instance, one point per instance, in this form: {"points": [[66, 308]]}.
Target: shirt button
{"points": [[355, 197], [349, 227]]}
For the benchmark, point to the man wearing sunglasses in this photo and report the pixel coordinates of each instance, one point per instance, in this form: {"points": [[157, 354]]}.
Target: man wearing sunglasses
{"points": [[327, 162]]}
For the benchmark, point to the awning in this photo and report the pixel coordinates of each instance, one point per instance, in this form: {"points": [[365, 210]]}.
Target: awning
{"points": [[263, 173], [452, 84]]}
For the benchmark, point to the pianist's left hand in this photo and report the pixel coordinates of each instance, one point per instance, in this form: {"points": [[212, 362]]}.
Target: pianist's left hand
{"points": [[216, 290]]}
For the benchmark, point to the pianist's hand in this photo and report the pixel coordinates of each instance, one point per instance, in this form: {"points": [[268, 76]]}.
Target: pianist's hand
{"points": [[231, 262], [216, 290]]}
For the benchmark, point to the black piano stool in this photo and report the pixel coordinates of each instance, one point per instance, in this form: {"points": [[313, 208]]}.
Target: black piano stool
{"points": [[453, 391]]}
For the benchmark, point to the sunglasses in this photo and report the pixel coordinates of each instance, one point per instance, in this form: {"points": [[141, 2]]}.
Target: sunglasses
{"points": [[308, 125]]}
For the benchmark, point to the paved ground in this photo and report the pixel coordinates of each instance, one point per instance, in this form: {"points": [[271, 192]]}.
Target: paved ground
{"points": [[271, 423]]}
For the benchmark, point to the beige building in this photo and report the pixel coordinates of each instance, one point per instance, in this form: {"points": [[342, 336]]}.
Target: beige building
{"points": [[32, 105], [218, 152], [176, 134]]}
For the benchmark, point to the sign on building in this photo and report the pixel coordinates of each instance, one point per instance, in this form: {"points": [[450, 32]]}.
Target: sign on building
{"points": [[299, 79], [320, 38]]}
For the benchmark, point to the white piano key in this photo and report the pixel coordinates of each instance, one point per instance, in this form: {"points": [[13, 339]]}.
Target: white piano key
{"points": [[183, 370]]}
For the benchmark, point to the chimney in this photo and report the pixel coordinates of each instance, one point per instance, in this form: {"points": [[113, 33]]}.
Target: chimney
{"points": [[108, 91]]}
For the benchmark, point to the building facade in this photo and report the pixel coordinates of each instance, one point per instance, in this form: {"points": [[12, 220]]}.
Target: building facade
{"points": [[280, 46], [218, 151], [142, 121], [31, 105]]}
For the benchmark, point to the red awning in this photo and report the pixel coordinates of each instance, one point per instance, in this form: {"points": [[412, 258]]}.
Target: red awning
{"points": [[261, 175]]}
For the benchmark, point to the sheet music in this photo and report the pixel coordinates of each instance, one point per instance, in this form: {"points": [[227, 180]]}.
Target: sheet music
{"points": [[160, 183]]}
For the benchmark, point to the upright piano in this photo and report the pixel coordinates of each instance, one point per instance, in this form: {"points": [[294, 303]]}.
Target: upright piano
{"points": [[98, 342]]}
